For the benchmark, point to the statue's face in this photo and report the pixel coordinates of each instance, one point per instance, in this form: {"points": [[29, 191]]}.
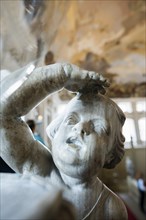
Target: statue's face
{"points": [[80, 144]]}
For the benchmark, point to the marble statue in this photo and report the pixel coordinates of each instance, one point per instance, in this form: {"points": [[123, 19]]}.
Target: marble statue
{"points": [[31, 197], [83, 140]]}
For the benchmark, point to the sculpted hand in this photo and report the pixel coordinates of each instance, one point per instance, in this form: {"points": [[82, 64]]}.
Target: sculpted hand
{"points": [[84, 81]]}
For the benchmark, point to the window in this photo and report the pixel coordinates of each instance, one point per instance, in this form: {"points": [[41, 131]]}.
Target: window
{"points": [[134, 128], [129, 130], [125, 106], [141, 106], [142, 128]]}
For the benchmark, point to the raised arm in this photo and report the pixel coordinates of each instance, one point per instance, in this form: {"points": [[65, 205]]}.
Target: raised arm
{"points": [[18, 147]]}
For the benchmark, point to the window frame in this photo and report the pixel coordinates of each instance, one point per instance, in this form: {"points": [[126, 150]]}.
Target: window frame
{"points": [[136, 116]]}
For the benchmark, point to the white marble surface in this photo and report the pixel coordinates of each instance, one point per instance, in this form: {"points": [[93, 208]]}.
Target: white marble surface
{"points": [[31, 197]]}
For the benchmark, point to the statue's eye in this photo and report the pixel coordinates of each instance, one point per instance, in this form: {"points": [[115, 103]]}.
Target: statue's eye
{"points": [[71, 120]]}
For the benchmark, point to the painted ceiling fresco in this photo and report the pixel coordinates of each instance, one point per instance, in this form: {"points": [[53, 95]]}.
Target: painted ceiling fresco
{"points": [[105, 36]]}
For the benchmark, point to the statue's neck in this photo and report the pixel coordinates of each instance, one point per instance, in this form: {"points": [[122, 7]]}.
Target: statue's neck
{"points": [[72, 182]]}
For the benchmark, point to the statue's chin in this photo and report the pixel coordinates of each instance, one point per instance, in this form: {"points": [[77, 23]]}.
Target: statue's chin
{"points": [[74, 169], [80, 170], [69, 160], [70, 156]]}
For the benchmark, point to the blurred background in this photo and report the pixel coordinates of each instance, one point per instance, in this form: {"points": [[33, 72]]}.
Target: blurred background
{"points": [[106, 36]]}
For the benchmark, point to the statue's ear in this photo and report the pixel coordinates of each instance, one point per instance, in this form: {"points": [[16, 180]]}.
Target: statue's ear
{"points": [[114, 156], [53, 127]]}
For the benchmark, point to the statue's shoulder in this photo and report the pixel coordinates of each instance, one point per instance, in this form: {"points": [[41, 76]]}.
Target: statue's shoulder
{"points": [[108, 206], [115, 207]]}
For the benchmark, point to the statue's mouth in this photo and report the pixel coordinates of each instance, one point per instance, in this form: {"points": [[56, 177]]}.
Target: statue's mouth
{"points": [[74, 142]]}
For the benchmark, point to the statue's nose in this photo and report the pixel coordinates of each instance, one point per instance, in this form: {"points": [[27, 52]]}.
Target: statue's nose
{"points": [[83, 128]]}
